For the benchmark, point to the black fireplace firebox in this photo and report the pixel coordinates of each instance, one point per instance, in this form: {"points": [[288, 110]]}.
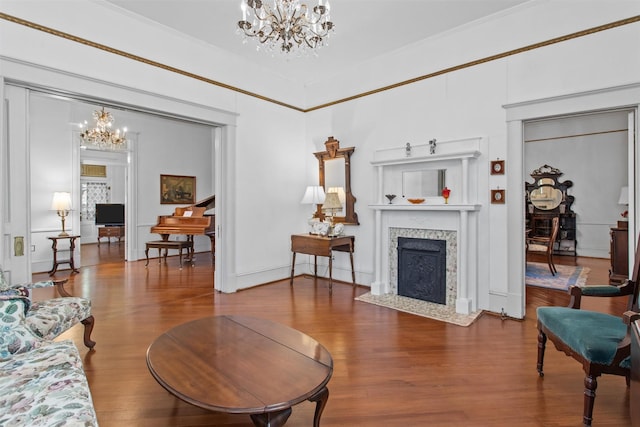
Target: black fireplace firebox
{"points": [[422, 269]]}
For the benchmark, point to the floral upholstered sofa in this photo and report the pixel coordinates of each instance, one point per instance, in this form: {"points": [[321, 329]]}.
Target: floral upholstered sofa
{"points": [[42, 382]]}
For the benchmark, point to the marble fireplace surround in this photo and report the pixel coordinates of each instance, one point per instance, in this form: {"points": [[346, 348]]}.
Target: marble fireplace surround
{"points": [[455, 222], [451, 257]]}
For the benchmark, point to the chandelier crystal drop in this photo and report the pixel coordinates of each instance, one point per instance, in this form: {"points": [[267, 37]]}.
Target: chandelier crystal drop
{"points": [[286, 26], [101, 135]]}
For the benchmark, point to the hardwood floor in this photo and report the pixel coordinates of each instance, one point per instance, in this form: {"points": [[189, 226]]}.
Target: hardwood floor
{"points": [[390, 368]]}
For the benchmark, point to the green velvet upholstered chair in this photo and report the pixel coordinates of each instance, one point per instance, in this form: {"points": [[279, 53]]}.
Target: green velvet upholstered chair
{"points": [[599, 341]]}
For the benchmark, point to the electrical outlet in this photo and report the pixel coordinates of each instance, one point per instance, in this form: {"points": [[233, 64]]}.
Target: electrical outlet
{"points": [[33, 248]]}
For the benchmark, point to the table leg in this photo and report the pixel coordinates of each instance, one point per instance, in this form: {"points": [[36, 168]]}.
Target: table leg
{"points": [[330, 272], [321, 399], [271, 419], [180, 256], [293, 266], [146, 254], [353, 273], [55, 258], [72, 244], [315, 266]]}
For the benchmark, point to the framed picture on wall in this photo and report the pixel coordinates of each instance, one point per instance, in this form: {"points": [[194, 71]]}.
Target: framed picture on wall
{"points": [[177, 189], [497, 197]]}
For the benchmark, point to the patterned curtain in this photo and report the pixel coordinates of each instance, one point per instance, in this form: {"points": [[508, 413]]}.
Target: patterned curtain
{"points": [[92, 193]]}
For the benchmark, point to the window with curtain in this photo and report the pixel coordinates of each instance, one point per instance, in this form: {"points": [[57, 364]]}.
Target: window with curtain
{"points": [[92, 193]]}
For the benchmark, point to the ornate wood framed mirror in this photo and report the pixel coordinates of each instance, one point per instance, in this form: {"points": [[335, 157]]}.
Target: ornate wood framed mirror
{"points": [[547, 193], [334, 166]]}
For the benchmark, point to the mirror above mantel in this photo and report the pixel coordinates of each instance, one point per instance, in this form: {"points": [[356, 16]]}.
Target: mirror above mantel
{"points": [[423, 183], [334, 167]]}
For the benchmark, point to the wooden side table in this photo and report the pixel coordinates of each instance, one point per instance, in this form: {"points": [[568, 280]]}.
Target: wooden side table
{"points": [[109, 231], [312, 244], [57, 252]]}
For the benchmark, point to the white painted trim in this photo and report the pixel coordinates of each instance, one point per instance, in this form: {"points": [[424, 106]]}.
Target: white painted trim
{"points": [[611, 98]]}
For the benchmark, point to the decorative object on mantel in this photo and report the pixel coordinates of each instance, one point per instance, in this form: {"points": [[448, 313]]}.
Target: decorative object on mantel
{"points": [[497, 197], [446, 193], [407, 150], [390, 197], [415, 201], [624, 200], [101, 135], [497, 167], [432, 146], [286, 26]]}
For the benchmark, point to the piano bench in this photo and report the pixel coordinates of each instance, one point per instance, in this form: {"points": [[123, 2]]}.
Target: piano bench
{"points": [[166, 245]]}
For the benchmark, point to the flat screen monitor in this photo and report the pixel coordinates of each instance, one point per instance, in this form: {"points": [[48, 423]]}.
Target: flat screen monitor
{"points": [[109, 214]]}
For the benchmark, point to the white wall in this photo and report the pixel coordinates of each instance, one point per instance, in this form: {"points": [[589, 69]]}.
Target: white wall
{"points": [[272, 146], [469, 102], [164, 146]]}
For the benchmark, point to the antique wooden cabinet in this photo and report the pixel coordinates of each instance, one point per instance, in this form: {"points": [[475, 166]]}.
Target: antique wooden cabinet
{"points": [[619, 255], [545, 199]]}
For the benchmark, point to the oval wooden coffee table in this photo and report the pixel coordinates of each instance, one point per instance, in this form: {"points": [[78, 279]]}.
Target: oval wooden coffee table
{"points": [[242, 365]]}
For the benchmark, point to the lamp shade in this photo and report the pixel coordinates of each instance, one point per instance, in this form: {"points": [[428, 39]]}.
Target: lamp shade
{"points": [[314, 195], [332, 201], [61, 201], [341, 194], [624, 196]]}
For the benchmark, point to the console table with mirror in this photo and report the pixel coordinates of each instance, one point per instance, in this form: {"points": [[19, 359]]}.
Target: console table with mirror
{"points": [[545, 199]]}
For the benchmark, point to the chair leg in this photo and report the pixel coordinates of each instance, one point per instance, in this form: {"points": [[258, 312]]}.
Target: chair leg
{"points": [[542, 342], [551, 265], [590, 385], [88, 328]]}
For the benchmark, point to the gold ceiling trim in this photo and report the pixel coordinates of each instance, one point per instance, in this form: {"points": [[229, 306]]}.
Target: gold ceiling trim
{"points": [[169, 68], [133, 57]]}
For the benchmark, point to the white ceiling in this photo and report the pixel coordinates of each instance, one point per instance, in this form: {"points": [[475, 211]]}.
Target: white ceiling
{"points": [[364, 29]]}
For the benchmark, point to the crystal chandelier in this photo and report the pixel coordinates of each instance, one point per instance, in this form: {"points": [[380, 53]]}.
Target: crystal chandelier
{"points": [[102, 135], [286, 26]]}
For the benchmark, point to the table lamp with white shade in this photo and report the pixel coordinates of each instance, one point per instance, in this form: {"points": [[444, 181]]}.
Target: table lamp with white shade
{"points": [[314, 195], [62, 204]]}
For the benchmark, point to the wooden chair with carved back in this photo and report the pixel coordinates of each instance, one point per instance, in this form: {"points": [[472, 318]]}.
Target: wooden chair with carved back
{"points": [[598, 341], [545, 245]]}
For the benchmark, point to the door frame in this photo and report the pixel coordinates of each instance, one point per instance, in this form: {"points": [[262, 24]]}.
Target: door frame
{"points": [[611, 98]]}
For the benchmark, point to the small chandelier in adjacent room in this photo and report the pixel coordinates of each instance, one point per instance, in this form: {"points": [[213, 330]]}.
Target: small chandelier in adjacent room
{"points": [[101, 135], [286, 26]]}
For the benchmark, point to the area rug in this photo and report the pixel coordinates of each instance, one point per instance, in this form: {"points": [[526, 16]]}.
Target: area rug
{"points": [[538, 274], [420, 308]]}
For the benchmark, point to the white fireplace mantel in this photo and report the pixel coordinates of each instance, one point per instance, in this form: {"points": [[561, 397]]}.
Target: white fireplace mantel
{"points": [[434, 214]]}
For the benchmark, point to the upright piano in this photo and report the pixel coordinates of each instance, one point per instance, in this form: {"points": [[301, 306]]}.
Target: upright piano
{"points": [[190, 221]]}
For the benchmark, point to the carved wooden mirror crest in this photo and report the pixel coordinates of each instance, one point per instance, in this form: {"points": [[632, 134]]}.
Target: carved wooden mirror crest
{"points": [[547, 192], [334, 166]]}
